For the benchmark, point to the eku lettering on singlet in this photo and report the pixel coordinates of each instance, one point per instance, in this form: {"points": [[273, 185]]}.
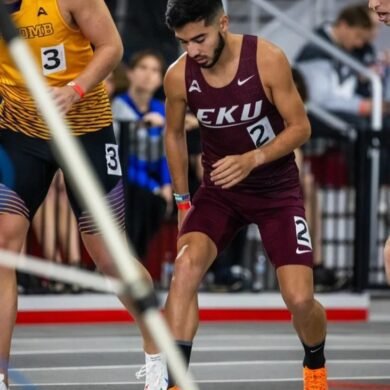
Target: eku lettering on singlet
{"points": [[238, 118], [225, 116]]}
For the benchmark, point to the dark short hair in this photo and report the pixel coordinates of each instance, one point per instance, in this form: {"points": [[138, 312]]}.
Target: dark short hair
{"points": [[138, 56], [181, 12], [356, 16]]}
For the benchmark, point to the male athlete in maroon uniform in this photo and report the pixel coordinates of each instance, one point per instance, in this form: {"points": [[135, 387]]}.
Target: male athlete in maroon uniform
{"points": [[251, 118]]}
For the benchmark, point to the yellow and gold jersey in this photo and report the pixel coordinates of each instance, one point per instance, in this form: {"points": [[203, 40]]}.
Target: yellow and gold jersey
{"points": [[61, 53]]}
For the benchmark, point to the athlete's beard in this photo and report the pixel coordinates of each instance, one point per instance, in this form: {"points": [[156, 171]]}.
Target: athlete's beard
{"points": [[217, 52]]}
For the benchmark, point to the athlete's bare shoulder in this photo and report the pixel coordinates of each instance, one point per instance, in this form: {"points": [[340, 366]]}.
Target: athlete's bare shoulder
{"points": [[71, 9], [93, 19], [271, 61], [268, 54], [72, 5], [174, 80]]}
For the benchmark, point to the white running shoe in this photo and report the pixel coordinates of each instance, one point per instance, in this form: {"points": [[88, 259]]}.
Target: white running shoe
{"points": [[155, 373]]}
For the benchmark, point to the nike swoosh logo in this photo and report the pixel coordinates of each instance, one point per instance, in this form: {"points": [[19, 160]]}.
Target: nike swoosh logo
{"points": [[242, 82], [315, 350], [300, 251]]}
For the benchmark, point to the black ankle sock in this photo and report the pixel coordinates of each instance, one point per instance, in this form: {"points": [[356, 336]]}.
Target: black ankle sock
{"points": [[314, 356], [186, 348]]}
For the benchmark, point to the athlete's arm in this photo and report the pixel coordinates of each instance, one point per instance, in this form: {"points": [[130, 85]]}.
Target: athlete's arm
{"points": [[277, 80], [175, 135], [94, 21]]}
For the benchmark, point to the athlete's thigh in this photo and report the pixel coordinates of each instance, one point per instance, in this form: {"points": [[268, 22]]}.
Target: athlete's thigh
{"points": [[23, 190], [212, 215], [102, 152], [285, 235]]}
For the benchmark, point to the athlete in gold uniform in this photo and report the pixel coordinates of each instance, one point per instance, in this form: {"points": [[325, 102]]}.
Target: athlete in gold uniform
{"points": [[64, 54], [76, 45]]}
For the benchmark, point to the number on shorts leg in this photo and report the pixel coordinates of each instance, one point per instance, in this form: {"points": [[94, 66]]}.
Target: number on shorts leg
{"points": [[302, 231], [112, 159]]}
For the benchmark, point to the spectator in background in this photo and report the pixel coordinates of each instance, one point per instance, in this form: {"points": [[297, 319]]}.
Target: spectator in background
{"points": [[150, 193], [332, 83]]}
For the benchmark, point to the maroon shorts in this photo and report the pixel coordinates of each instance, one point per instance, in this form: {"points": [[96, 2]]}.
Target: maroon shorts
{"points": [[220, 214]]}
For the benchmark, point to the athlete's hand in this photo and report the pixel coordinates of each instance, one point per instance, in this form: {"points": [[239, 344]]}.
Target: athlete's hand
{"points": [[230, 170], [64, 98]]}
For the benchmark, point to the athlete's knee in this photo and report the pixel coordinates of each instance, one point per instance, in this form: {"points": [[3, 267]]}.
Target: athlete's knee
{"points": [[298, 302], [13, 229], [188, 266]]}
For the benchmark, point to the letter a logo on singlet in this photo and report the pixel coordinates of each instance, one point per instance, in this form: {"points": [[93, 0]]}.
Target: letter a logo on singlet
{"points": [[195, 87], [41, 11]]}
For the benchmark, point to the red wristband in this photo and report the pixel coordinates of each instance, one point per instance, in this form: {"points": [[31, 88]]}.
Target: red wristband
{"points": [[183, 206], [77, 89]]}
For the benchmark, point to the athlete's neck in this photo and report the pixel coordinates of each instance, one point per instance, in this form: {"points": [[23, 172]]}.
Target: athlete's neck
{"points": [[230, 52], [141, 98]]}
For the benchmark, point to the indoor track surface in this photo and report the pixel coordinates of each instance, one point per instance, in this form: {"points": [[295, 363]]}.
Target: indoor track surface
{"points": [[244, 356]]}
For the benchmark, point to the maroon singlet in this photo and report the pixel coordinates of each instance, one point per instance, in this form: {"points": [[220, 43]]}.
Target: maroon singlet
{"points": [[238, 118]]}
